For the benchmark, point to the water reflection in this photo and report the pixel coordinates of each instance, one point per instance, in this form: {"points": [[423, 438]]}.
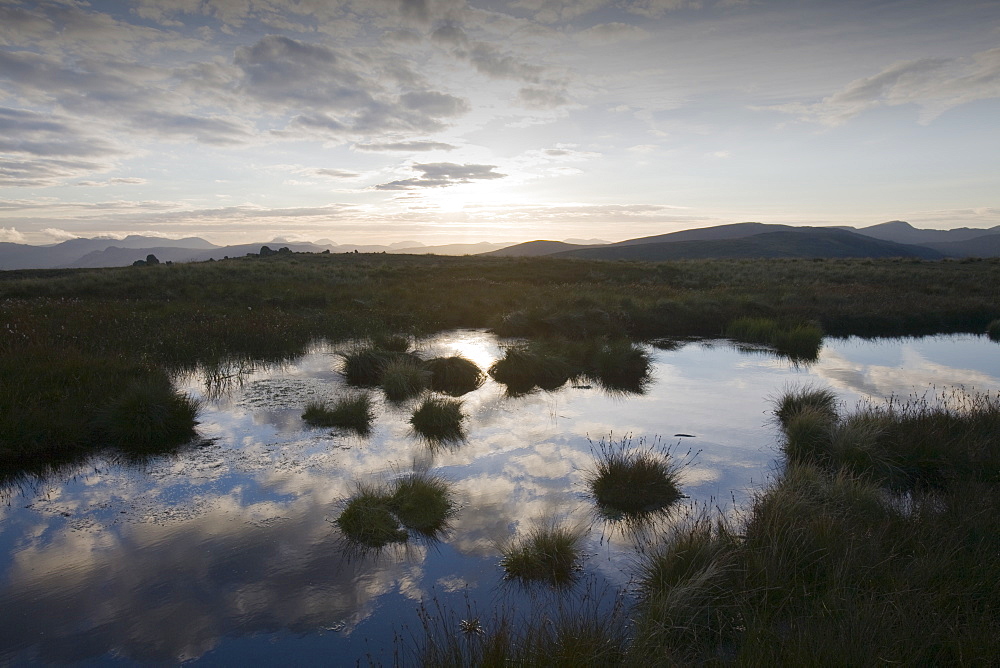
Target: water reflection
{"points": [[233, 544]]}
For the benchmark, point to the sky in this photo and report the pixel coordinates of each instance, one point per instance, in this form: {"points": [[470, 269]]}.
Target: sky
{"points": [[452, 121]]}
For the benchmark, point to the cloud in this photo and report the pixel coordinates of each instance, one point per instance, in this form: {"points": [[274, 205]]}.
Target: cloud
{"points": [[534, 97], [59, 235], [10, 235], [127, 181], [442, 174], [655, 9], [933, 84], [612, 33], [335, 173], [407, 146], [337, 94]]}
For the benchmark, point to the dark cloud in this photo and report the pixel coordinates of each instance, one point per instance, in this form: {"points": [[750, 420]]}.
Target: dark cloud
{"points": [[536, 97], [335, 173], [206, 130], [407, 146], [441, 174], [492, 62], [434, 103]]}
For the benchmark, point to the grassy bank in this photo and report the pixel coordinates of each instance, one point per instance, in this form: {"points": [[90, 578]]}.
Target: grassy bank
{"points": [[834, 564], [68, 338]]}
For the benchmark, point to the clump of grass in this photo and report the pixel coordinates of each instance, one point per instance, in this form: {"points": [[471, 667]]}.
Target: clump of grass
{"points": [[403, 378], [799, 341], [547, 553], [620, 366], [423, 503], [367, 519], [795, 400], [454, 375], [588, 630], [365, 364], [352, 412], [993, 330], [397, 343], [439, 420], [629, 481], [525, 367], [149, 414]]}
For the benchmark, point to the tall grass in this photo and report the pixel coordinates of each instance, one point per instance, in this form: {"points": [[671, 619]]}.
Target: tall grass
{"points": [[799, 341], [993, 330], [797, 399], [367, 519], [149, 413], [535, 365], [403, 378], [439, 420], [454, 375], [352, 412], [423, 503], [632, 481], [547, 552]]}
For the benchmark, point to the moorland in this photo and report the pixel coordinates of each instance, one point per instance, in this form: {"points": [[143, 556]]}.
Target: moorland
{"points": [[878, 543]]}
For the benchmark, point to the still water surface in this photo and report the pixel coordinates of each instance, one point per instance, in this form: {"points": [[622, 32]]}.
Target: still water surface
{"points": [[227, 553]]}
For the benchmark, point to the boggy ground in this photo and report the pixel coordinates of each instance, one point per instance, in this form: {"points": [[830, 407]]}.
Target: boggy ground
{"points": [[72, 340]]}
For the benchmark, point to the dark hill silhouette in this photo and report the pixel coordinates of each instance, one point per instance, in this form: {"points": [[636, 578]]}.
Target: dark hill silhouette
{"points": [[536, 249], [903, 233], [805, 242], [985, 246], [715, 233], [66, 253]]}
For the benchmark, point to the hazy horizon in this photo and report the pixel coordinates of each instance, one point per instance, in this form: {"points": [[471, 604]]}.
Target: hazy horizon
{"points": [[444, 121]]}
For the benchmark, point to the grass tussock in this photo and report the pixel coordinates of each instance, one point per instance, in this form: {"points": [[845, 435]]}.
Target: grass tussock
{"points": [[993, 330], [632, 481], [377, 515], [798, 341], [838, 559], [454, 375], [439, 420], [149, 413], [367, 519], [423, 503], [353, 412], [524, 368], [403, 378], [585, 630], [795, 400], [547, 553]]}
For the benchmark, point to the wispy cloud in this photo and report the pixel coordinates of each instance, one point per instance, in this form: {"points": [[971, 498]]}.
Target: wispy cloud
{"points": [[442, 174]]}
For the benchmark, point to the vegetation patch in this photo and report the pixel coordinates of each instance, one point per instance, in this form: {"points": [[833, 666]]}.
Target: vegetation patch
{"points": [[439, 420], [367, 519], [993, 330], [403, 378], [631, 481], [798, 341], [535, 365], [149, 413], [795, 400], [620, 366], [352, 412], [454, 375], [546, 553], [423, 503]]}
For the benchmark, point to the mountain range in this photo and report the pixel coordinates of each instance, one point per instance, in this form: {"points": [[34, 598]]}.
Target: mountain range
{"points": [[738, 240]]}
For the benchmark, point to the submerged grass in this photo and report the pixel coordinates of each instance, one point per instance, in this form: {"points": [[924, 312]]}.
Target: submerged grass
{"points": [[378, 515], [538, 364], [352, 412], [439, 420]]}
